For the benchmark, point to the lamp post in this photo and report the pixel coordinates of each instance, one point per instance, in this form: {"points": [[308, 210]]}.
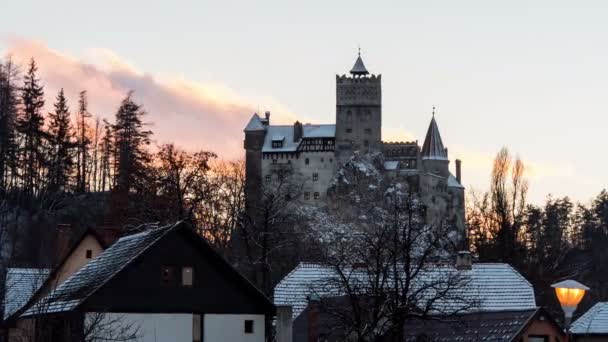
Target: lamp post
{"points": [[569, 293]]}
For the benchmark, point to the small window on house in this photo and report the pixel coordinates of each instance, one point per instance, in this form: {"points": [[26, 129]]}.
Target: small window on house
{"points": [[248, 326], [166, 276], [316, 195], [307, 195], [187, 276], [315, 177], [89, 254], [306, 161]]}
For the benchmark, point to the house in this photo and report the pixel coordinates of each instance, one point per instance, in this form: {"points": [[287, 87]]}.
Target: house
{"points": [[502, 295], [163, 284], [592, 325]]}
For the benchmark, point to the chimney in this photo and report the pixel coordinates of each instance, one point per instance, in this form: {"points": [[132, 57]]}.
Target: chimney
{"points": [[458, 170], [283, 324], [463, 261], [313, 317], [62, 241], [267, 116], [297, 131]]}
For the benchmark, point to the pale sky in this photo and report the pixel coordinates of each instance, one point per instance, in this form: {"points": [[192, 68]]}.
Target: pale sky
{"points": [[529, 75]]}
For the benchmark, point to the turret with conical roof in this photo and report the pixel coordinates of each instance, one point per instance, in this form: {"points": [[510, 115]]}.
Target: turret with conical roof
{"points": [[434, 155], [358, 111]]}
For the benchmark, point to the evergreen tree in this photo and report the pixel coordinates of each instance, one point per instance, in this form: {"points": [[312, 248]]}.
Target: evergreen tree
{"points": [[83, 141], [8, 114], [107, 151], [29, 125], [131, 140], [60, 145]]}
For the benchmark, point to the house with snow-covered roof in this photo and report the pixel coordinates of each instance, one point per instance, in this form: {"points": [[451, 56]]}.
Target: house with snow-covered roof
{"points": [[163, 284], [499, 292], [313, 153], [592, 325]]}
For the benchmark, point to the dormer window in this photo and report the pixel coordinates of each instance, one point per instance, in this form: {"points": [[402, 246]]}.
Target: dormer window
{"points": [[277, 141]]}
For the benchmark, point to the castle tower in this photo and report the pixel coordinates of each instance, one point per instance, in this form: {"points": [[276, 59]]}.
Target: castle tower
{"points": [[255, 132], [358, 112], [434, 154]]}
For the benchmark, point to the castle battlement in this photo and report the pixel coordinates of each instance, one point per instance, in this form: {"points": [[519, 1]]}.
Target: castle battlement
{"points": [[345, 79]]}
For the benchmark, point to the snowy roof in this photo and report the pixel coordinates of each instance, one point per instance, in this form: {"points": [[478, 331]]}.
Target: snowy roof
{"points": [[433, 146], [391, 165], [21, 284], [278, 138], [359, 67], [594, 321], [255, 124], [286, 131], [453, 182], [497, 287], [97, 272]]}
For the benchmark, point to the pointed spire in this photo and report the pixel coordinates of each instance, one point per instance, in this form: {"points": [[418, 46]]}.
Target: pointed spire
{"points": [[359, 67], [433, 146], [255, 124]]}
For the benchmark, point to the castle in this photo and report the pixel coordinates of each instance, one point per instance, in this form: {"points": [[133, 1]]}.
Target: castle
{"points": [[314, 153]]}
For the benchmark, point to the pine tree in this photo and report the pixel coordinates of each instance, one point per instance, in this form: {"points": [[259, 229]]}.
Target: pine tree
{"points": [[8, 114], [29, 125], [107, 151], [83, 141], [130, 139], [60, 145]]}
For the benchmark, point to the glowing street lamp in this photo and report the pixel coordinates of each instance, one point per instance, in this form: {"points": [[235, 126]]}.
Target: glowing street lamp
{"points": [[569, 293]]}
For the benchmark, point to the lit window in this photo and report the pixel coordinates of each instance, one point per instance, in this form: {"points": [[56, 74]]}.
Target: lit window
{"points": [[316, 195], [187, 276], [315, 177], [248, 326], [89, 254], [268, 178]]}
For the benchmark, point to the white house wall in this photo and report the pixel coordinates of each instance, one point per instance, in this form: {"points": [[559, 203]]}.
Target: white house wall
{"points": [[221, 328], [155, 327]]}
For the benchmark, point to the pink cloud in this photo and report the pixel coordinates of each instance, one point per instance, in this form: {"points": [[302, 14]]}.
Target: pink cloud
{"points": [[192, 115]]}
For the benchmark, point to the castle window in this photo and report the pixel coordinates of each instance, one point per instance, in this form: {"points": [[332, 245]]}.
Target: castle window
{"points": [[331, 160], [268, 178], [315, 177], [316, 195], [349, 130], [368, 131], [322, 160], [306, 161], [365, 143], [274, 161], [277, 144], [349, 116], [307, 195]]}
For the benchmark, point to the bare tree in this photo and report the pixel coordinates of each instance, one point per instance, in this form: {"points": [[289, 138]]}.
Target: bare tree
{"points": [[387, 264]]}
